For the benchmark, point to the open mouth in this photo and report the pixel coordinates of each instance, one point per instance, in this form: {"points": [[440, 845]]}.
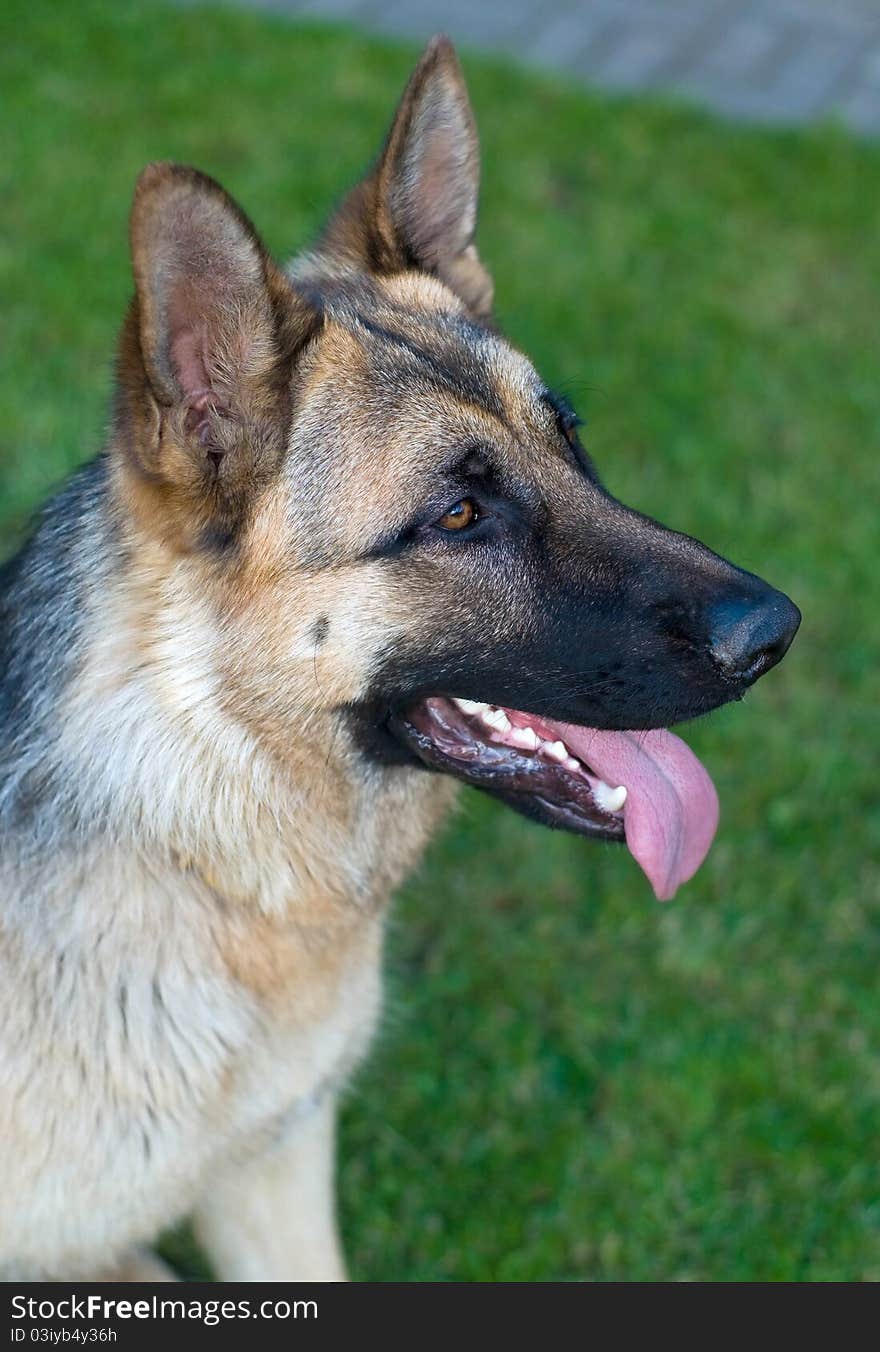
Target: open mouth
{"points": [[645, 788]]}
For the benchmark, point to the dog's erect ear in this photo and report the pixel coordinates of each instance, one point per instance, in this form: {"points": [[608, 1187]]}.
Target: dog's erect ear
{"points": [[418, 208], [213, 331]]}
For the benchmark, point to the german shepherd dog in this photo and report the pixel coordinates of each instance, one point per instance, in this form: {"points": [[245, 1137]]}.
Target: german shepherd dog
{"points": [[343, 550]]}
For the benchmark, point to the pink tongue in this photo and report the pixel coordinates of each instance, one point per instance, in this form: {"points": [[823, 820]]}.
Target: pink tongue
{"points": [[671, 811]]}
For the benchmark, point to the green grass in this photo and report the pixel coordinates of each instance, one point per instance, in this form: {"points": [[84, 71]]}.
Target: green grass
{"points": [[572, 1081]]}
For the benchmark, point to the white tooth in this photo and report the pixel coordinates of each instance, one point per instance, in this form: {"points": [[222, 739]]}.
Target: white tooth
{"points": [[497, 719], [571, 763], [555, 750], [526, 738], [610, 800], [470, 706]]}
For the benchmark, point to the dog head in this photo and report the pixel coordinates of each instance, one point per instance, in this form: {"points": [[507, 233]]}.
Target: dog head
{"points": [[391, 517]]}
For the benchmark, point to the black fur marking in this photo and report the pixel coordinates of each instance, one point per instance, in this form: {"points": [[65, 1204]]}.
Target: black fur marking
{"points": [[471, 475], [41, 617], [568, 423], [123, 1010], [451, 366], [320, 629], [613, 629], [565, 415], [217, 539]]}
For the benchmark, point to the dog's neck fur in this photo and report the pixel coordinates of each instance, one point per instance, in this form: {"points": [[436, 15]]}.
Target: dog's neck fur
{"points": [[144, 754]]}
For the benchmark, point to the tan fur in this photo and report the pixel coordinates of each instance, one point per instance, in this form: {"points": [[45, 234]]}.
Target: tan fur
{"points": [[421, 199], [218, 652], [186, 985]]}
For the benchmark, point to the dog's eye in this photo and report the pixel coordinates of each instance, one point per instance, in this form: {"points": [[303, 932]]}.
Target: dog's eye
{"points": [[460, 515]]}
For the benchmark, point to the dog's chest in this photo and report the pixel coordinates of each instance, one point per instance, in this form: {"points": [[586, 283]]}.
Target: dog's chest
{"points": [[162, 1020], [265, 1012], [165, 1037], [309, 986]]}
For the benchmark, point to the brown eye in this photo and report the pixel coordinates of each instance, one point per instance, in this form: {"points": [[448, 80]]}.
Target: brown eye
{"points": [[459, 515]]}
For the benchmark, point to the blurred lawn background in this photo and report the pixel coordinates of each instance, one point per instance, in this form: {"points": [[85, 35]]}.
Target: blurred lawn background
{"points": [[572, 1082]]}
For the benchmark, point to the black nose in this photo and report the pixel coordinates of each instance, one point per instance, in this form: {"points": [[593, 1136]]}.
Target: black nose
{"points": [[749, 635]]}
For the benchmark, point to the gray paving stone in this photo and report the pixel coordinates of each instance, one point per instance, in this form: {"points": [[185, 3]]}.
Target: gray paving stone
{"points": [[470, 23], [845, 16], [858, 103], [773, 73], [781, 61], [564, 40], [747, 42], [318, 9], [638, 56], [809, 72]]}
